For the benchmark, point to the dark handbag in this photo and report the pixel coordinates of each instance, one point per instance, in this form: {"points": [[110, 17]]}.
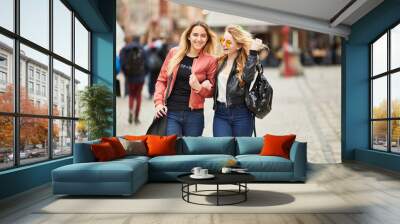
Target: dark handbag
{"points": [[159, 125], [259, 95]]}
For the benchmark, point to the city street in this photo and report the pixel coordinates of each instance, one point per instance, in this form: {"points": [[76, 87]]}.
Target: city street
{"points": [[308, 106]]}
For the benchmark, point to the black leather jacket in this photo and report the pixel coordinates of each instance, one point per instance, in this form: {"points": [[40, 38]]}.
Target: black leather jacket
{"points": [[234, 93]]}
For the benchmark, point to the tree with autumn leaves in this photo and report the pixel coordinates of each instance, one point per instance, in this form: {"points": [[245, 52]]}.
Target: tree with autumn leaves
{"points": [[33, 131], [380, 128]]}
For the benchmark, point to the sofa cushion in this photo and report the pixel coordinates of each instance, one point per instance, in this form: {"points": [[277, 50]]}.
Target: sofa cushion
{"points": [[116, 145], [208, 145], [277, 145], [112, 171], [161, 145], [185, 163], [134, 147], [83, 152], [248, 145], [103, 151], [257, 163]]}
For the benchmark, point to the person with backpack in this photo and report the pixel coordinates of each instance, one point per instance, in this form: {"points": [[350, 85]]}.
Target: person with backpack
{"points": [[133, 65], [236, 71], [154, 63], [179, 94]]}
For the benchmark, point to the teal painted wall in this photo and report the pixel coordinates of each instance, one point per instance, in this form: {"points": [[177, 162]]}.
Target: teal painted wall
{"points": [[355, 86], [99, 16], [24, 178]]}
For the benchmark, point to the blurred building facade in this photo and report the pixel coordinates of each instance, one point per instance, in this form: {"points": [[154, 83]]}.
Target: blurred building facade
{"points": [[153, 19]]}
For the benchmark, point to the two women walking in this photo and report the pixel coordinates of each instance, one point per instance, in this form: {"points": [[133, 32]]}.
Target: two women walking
{"points": [[194, 72]]}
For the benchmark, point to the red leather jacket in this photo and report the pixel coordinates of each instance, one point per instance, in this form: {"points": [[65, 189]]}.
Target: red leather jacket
{"points": [[204, 67]]}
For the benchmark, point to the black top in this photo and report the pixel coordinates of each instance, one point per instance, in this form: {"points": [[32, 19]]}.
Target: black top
{"points": [[179, 98], [220, 178]]}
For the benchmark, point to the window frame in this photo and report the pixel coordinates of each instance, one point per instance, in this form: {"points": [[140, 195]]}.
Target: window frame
{"points": [[16, 114], [388, 74]]}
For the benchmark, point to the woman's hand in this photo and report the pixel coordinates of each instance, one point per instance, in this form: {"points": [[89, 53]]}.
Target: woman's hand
{"points": [[194, 82], [207, 84], [256, 45], [161, 111]]}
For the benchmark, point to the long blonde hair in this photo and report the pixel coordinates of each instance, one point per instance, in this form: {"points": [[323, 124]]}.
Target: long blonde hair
{"points": [[184, 45], [243, 38]]}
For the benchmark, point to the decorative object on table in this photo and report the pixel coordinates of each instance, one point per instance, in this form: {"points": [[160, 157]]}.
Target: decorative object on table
{"points": [[231, 163], [200, 173], [237, 170], [196, 170], [96, 103]]}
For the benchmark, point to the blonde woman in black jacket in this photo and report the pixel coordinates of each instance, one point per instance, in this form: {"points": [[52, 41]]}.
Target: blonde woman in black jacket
{"points": [[236, 71]]}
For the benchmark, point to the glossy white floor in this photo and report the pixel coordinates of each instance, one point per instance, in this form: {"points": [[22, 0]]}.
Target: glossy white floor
{"points": [[379, 190]]}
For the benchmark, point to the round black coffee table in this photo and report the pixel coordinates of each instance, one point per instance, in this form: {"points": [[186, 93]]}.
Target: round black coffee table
{"points": [[238, 179]]}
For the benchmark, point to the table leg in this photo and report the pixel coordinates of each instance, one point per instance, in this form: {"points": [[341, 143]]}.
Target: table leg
{"points": [[217, 194], [196, 188], [245, 193]]}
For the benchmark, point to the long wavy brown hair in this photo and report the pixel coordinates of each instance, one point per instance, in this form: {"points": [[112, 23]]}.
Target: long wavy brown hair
{"points": [[243, 39], [184, 45]]}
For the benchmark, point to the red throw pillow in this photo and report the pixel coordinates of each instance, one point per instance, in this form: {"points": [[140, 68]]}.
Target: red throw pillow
{"points": [[277, 145], [103, 151], [116, 145], [161, 145]]}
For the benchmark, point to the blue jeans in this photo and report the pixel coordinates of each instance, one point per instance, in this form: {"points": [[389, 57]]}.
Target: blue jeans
{"points": [[232, 121], [185, 123]]}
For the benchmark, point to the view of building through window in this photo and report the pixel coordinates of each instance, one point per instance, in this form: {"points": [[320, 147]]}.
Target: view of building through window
{"points": [[385, 79], [37, 86]]}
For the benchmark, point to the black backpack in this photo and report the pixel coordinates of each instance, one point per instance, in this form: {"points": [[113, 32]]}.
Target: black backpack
{"points": [[134, 61], [154, 61], [259, 96]]}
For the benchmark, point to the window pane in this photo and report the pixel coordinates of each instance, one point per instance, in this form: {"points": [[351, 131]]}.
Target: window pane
{"points": [[395, 47], [395, 136], [6, 142], [7, 14], [379, 135], [379, 55], [62, 29], [34, 78], [81, 81], [81, 131], [33, 139], [379, 100], [35, 21], [6, 74], [62, 89], [62, 137], [395, 94], [81, 45]]}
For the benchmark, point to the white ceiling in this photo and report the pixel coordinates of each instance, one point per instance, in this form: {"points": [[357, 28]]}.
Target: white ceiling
{"points": [[315, 15]]}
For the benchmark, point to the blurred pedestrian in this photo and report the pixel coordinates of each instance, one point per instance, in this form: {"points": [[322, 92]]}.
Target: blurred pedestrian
{"points": [[133, 66], [186, 67], [155, 57]]}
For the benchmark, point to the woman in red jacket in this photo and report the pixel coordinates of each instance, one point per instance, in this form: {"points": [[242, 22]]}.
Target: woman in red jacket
{"points": [[186, 67]]}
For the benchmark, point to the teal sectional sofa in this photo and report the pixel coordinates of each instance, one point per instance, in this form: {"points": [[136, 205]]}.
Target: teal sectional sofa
{"points": [[125, 176]]}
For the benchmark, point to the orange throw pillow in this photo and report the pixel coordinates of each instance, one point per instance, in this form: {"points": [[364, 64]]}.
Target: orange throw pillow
{"points": [[161, 145], [135, 138], [275, 145], [116, 145], [103, 151]]}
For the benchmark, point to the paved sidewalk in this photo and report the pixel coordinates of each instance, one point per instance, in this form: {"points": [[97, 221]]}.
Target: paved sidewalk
{"points": [[308, 106]]}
